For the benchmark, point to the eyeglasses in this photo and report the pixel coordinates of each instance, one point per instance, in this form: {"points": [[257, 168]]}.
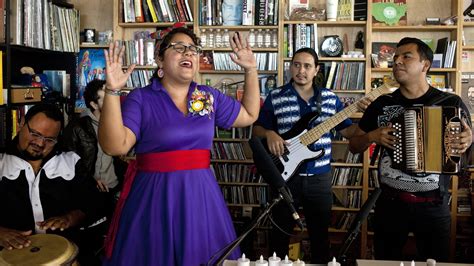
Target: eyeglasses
{"points": [[35, 135], [181, 48]]}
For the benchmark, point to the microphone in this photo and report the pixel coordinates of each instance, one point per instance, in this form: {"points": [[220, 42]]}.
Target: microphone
{"points": [[267, 168]]}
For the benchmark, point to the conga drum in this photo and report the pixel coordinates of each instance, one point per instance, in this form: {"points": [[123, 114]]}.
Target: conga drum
{"points": [[45, 249]]}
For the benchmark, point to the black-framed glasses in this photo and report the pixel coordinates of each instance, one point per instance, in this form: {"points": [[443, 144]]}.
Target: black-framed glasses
{"points": [[35, 135], [181, 48]]}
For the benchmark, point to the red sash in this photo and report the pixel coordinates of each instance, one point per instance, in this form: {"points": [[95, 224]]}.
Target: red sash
{"points": [[153, 162]]}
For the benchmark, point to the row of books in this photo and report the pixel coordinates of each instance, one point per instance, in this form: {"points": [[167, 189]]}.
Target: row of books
{"points": [[344, 221], [297, 36], [347, 176], [243, 12], [374, 178], [234, 133], [245, 194], [156, 11], [41, 24], [222, 62], [242, 173], [231, 151], [140, 51], [344, 75], [347, 198], [139, 78]]}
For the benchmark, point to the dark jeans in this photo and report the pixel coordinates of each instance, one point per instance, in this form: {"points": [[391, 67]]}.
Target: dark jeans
{"points": [[315, 195], [430, 223]]}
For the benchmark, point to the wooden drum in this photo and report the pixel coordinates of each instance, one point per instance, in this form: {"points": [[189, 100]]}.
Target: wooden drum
{"points": [[45, 249]]}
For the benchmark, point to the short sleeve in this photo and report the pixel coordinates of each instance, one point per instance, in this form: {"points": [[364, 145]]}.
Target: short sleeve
{"points": [[131, 111], [227, 109], [266, 117]]}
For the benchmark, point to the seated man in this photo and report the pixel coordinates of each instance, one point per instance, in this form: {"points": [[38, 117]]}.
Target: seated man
{"points": [[42, 189]]}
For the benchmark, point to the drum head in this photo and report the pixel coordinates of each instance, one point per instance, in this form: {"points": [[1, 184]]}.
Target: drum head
{"points": [[45, 249]]}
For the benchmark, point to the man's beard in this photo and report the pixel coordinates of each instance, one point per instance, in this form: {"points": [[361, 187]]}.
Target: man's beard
{"points": [[31, 157]]}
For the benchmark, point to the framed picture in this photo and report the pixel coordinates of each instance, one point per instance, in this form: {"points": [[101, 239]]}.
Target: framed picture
{"points": [[90, 66]]}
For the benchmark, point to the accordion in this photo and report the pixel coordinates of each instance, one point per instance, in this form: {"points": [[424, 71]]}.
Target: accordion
{"points": [[423, 144]]}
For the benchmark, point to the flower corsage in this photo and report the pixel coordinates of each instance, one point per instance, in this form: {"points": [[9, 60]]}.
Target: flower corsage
{"points": [[201, 103]]}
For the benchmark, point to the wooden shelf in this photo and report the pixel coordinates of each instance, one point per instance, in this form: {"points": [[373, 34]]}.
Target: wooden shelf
{"points": [[231, 161], [339, 59], [380, 69], [222, 72], [254, 49], [242, 184], [323, 23], [231, 140], [420, 28], [239, 27], [150, 24]]}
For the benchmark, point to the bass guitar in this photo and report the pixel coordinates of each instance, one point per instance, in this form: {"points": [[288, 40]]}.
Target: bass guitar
{"points": [[300, 137]]}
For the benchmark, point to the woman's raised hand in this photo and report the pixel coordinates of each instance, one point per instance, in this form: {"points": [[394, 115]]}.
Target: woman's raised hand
{"points": [[242, 53], [116, 78]]}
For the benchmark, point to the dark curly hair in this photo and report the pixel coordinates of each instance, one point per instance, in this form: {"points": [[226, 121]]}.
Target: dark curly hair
{"points": [[167, 40]]}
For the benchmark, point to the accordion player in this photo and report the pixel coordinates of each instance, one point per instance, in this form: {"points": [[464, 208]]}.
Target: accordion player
{"points": [[423, 144]]}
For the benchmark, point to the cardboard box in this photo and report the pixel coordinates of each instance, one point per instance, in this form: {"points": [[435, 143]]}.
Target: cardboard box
{"points": [[26, 95]]}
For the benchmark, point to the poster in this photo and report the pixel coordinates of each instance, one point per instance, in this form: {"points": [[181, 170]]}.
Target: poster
{"points": [[90, 66]]}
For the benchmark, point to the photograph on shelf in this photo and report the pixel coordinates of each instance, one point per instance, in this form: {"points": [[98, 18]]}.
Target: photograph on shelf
{"points": [[382, 54], [90, 66], [389, 13]]}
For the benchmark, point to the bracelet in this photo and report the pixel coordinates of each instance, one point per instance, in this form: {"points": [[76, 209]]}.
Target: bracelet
{"points": [[113, 92]]}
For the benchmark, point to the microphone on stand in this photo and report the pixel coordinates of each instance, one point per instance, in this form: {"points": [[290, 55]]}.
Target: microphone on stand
{"points": [[267, 168]]}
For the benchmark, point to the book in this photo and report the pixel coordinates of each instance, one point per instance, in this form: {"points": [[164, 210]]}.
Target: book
{"points": [[206, 61], [293, 4], [232, 12], [467, 90], [90, 65], [436, 80], [345, 10], [385, 52]]}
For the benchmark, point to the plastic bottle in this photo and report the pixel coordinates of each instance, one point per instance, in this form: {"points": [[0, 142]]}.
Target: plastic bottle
{"points": [[259, 38], [267, 39], [274, 38], [224, 87], [210, 39], [226, 38], [203, 38], [218, 38], [252, 38]]}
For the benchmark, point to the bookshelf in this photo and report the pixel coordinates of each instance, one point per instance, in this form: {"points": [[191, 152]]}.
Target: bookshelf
{"points": [[415, 26], [22, 46]]}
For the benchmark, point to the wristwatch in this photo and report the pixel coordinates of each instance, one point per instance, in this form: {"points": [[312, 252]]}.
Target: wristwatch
{"points": [[331, 46]]}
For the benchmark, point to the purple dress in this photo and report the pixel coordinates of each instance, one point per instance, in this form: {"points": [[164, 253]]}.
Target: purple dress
{"points": [[180, 217]]}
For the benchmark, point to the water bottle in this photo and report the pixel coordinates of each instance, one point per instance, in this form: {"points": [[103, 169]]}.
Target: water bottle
{"points": [[224, 87], [226, 38], [203, 38], [218, 38], [260, 38], [210, 39], [252, 38], [267, 39], [274, 38]]}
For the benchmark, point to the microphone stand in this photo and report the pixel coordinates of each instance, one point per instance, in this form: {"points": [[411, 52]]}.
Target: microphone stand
{"points": [[231, 246]]}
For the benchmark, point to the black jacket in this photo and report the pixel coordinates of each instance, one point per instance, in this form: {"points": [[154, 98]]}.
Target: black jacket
{"points": [[80, 136]]}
